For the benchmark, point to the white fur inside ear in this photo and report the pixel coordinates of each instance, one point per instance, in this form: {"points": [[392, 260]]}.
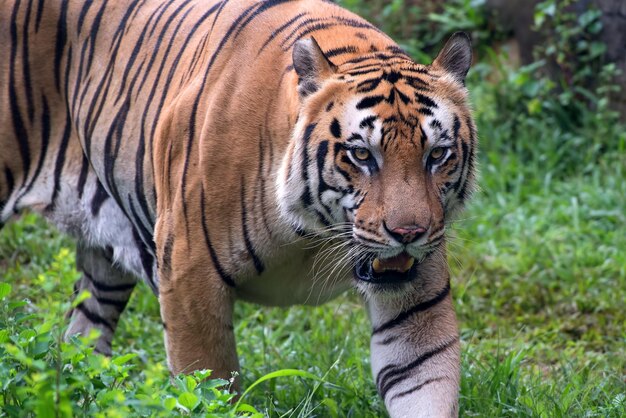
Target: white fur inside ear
{"points": [[456, 56], [311, 65]]}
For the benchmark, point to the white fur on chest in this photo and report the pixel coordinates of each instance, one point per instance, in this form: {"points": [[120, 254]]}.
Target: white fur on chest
{"points": [[298, 276]]}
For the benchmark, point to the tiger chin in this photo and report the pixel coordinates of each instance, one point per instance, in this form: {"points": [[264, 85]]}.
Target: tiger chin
{"points": [[280, 152]]}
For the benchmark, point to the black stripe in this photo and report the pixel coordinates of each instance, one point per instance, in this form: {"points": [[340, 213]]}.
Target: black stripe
{"points": [[94, 317], [147, 260], [376, 68], [226, 278], [18, 124], [195, 59], [370, 101], [391, 375], [121, 28], [456, 127], [306, 196], [403, 316], [416, 388], [45, 140], [133, 57], [350, 49], [395, 49], [405, 99], [436, 124], [103, 287], [335, 128], [368, 85], [156, 49], [39, 14], [10, 182], [336, 149], [119, 305], [416, 82], [60, 162], [368, 122], [318, 25], [98, 199], [93, 33], [279, 30], [82, 178], [313, 20], [464, 192], [378, 56], [464, 157], [370, 66], [82, 15], [266, 5], [61, 40], [258, 264], [26, 65], [145, 234]]}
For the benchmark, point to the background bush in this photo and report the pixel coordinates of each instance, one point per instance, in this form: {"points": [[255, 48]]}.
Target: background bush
{"points": [[539, 269]]}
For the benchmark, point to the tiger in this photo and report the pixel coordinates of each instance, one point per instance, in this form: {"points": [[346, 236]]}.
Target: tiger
{"points": [[274, 151]]}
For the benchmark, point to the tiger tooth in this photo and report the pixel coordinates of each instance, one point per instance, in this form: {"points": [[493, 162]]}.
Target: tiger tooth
{"points": [[407, 266], [376, 266]]}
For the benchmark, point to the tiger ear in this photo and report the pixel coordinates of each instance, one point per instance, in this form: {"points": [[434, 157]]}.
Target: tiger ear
{"points": [[456, 56], [311, 65]]}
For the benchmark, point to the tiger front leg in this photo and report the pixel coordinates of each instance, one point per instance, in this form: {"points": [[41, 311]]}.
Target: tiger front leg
{"points": [[415, 347], [197, 314]]}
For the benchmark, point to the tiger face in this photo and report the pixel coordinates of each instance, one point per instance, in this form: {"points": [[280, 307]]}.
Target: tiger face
{"points": [[382, 156]]}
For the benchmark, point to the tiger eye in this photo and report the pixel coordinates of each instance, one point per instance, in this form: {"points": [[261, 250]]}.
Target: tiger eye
{"points": [[437, 153], [361, 154]]}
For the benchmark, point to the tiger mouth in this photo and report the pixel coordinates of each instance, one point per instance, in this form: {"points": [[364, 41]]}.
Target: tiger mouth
{"points": [[401, 268]]}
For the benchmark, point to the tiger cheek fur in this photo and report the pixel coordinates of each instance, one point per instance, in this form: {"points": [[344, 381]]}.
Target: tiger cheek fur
{"points": [[204, 147]]}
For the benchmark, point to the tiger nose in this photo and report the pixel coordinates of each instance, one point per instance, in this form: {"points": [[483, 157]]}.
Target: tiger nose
{"points": [[406, 234]]}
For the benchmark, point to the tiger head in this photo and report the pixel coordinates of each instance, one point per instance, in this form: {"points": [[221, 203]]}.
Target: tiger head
{"points": [[382, 156]]}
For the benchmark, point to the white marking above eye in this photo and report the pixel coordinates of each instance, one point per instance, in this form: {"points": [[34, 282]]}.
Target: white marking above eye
{"points": [[370, 138]]}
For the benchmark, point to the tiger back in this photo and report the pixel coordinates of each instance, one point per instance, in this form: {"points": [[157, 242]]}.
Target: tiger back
{"points": [[209, 147]]}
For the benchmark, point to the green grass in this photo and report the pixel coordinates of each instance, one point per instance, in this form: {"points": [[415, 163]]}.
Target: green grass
{"points": [[539, 283]]}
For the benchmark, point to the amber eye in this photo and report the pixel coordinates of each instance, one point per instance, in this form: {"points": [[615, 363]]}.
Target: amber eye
{"points": [[361, 154], [437, 153]]}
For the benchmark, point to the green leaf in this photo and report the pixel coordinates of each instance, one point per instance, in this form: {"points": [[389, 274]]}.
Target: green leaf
{"points": [[170, 403], [188, 400], [5, 289], [332, 406], [190, 383], [118, 361], [274, 375], [82, 296], [244, 407]]}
